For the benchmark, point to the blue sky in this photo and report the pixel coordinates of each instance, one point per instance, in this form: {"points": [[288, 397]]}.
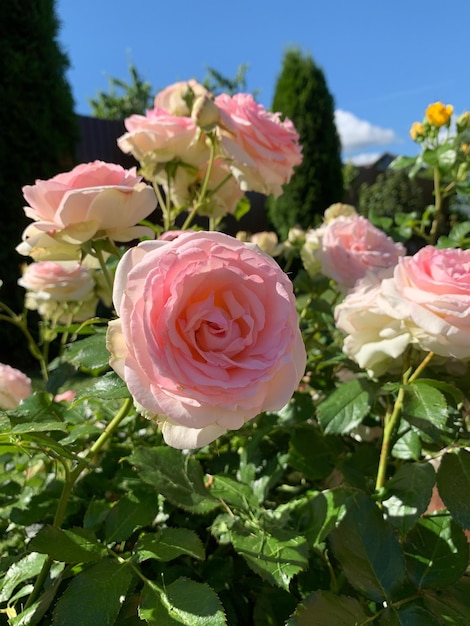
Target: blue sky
{"points": [[384, 62]]}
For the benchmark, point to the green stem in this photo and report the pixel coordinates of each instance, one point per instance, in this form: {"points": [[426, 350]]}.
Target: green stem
{"points": [[71, 477], [433, 233], [104, 268]]}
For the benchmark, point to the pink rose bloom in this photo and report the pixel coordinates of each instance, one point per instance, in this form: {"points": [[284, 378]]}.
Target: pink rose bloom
{"points": [[63, 290], [431, 289], [14, 387], [350, 247], [376, 338], [207, 335], [172, 97], [162, 137], [263, 150], [65, 396], [93, 200]]}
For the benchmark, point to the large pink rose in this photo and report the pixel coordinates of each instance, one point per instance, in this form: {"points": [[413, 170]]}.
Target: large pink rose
{"points": [[91, 201], [431, 289], [14, 387], [207, 335], [162, 137], [263, 150], [350, 247]]}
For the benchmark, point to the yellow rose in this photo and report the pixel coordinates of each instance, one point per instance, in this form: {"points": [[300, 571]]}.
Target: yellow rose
{"points": [[439, 114], [417, 130]]}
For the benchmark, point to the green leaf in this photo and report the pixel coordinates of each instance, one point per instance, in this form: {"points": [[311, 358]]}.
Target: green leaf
{"points": [[368, 550], [321, 513], [38, 413], [446, 157], [436, 552], [410, 614], [346, 407], [452, 604], [242, 208], [409, 492], [71, 546], [401, 162], [407, 446], [94, 596], [26, 568], [130, 512], [324, 608], [89, 354], [276, 556], [175, 475], [169, 544], [107, 387], [234, 493], [183, 602], [425, 408], [453, 483], [306, 438]]}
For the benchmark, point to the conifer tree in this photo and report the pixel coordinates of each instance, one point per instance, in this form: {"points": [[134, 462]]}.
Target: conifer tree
{"points": [[302, 95], [39, 131]]}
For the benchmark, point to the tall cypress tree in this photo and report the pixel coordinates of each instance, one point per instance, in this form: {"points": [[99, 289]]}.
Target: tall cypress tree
{"points": [[302, 95], [39, 133]]}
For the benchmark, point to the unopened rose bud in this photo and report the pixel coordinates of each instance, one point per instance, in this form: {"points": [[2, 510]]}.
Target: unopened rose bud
{"points": [[463, 122], [339, 209], [205, 113]]}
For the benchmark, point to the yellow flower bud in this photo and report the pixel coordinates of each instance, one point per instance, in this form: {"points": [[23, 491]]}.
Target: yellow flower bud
{"points": [[416, 131], [463, 122], [439, 114]]}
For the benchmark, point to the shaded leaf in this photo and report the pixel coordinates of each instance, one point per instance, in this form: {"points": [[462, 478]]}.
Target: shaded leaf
{"points": [[234, 493], [130, 512], [410, 614], [452, 604], [425, 408], [94, 596], [183, 602], [70, 546], [346, 407], [316, 466], [175, 475], [368, 550], [453, 483], [169, 544], [436, 552], [321, 513], [324, 608]]}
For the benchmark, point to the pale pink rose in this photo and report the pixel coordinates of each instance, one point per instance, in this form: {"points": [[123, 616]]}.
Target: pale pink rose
{"points": [[14, 387], [43, 247], [162, 137], [431, 289], [207, 335], [64, 290], [376, 338], [172, 98], [350, 247], [65, 396], [169, 235], [263, 150], [93, 200]]}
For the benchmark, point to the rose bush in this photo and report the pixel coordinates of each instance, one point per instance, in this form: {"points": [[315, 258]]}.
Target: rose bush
{"points": [[14, 387], [207, 335], [93, 200]]}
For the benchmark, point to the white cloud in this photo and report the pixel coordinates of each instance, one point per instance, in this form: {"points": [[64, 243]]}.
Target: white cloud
{"points": [[357, 134], [364, 158]]}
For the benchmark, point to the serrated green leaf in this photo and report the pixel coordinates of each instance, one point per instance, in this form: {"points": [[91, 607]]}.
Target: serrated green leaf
{"points": [[452, 604], [409, 492], [168, 544], [368, 550], [130, 512], [346, 407], [436, 552], [324, 608], [321, 513], [407, 446], [89, 354], [411, 614], [37, 413], [453, 483], [70, 546], [25, 569], [425, 408], [183, 602], [276, 556], [234, 493], [176, 476], [108, 387], [316, 466], [94, 596]]}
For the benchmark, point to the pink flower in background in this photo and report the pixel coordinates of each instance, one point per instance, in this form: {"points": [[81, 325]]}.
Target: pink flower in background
{"points": [[432, 290], [65, 396], [263, 150], [172, 98], [92, 200], [61, 289], [207, 335], [162, 137], [14, 387], [350, 247]]}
